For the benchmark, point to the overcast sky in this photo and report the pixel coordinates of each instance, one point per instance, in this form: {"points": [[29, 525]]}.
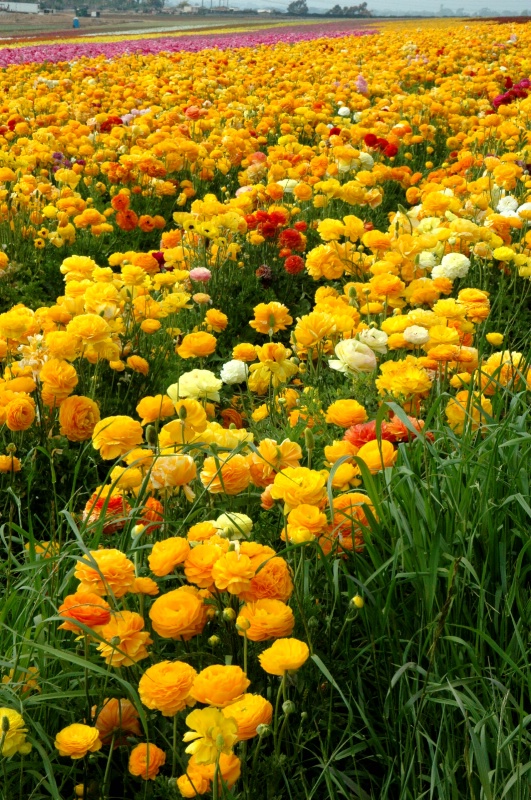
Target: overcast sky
{"points": [[400, 6]]}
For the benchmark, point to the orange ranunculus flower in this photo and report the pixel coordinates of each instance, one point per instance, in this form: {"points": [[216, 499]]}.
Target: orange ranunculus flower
{"points": [[272, 458], [118, 718], [249, 711], [128, 628], [115, 436], [146, 759], [296, 485], [309, 517], [272, 582], [269, 619], [197, 345], [270, 318], [226, 473], [10, 464], [244, 352], [78, 416], [229, 768], [284, 655], [86, 607], [77, 740], [89, 328], [153, 408], [20, 413], [200, 563], [192, 419], [345, 413], [202, 531], [59, 378], [171, 471], [152, 515], [138, 364], [115, 573], [377, 455], [219, 685], [216, 319], [168, 554], [180, 614], [193, 783], [233, 572], [166, 686], [145, 586], [126, 219]]}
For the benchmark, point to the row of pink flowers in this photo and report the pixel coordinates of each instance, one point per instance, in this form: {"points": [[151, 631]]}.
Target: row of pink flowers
{"points": [[69, 52]]}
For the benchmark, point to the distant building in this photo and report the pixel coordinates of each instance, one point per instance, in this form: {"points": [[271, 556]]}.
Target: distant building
{"points": [[21, 8]]}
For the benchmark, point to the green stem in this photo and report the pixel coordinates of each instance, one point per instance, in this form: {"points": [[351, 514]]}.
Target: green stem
{"points": [[174, 747], [108, 768]]}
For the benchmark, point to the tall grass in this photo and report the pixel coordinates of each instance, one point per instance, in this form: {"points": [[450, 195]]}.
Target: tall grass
{"points": [[422, 693]]}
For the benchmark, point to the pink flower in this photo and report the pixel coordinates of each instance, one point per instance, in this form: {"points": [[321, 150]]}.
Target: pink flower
{"points": [[200, 274]]}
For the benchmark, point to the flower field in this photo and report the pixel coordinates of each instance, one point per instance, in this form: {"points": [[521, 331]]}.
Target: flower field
{"points": [[265, 316]]}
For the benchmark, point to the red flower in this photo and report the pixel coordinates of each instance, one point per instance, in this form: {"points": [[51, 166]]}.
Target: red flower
{"points": [[291, 238], [110, 123], [301, 226], [391, 150], [294, 264], [335, 132], [364, 432], [370, 139]]}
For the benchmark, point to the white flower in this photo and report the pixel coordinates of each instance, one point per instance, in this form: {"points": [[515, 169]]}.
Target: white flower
{"points": [[367, 161], [415, 334], [526, 207], [288, 184], [234, 372], [375, 339], [357, 116], [426, 259], [353, 357], [198, 383], [344, 111], [234, 525], [507, 203], [453, 265]]}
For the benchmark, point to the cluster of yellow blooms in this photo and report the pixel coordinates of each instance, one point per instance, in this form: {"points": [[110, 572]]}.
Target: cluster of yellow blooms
{"points": [[279, 163]]}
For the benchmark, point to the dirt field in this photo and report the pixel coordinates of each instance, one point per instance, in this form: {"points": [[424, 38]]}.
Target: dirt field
{"points": [[22, 25]]}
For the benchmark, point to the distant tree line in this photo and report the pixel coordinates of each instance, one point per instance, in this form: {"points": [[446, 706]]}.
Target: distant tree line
{"points": [[300, 8]]}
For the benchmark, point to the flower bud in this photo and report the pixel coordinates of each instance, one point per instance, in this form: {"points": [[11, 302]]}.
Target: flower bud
{"points": [[358, 601], [263, 730], [288, 707], [115, 641], [11, 449], [309, 439], [151, 435], [214, 641], [5, 724], [229, 614], [243, 624]]}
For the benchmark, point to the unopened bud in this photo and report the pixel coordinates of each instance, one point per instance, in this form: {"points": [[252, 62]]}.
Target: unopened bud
{"points": [[358, 601], [309, 439], [5, 724], [289, 707], [115, 641], [214, 641], [263, 730], [138, 530], [229, 614], [11, 449], [243, 624], [151, 435], [304, 716], [220, 741], [182, 413]]}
